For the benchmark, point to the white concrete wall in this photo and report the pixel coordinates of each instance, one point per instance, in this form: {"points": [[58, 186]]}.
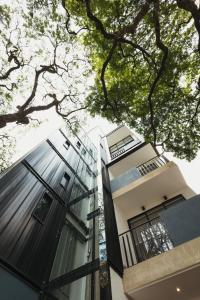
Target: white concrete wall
{"points": [[117, 286], [122, 216], [178, 260], [119, 134], [137, 158]]}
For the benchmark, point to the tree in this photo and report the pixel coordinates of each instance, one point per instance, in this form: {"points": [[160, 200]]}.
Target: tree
{"points": [[145, 56], [41, 65], [6, 150]]}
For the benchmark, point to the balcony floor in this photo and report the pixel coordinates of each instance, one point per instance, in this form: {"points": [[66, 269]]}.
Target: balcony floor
{"points": [[158, 277]]}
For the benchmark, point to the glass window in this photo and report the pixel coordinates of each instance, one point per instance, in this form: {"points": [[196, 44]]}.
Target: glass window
{"points": [[113, 148], [65, 181], [83, 151], [89, 171], [77, 190], [149, 235], [91, 152], [67, 145], [128, 139], [120, 144], [78, 144], [43, 208]]}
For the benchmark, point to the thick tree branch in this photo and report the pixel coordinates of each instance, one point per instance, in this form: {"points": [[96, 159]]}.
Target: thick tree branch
{"points": [[63, 2], [12, 57], [99, 25], [118, 37], [125, 30], [190, 6], [133, 27], [21, 117], [164, 49], [102, 77], [50, 69]]}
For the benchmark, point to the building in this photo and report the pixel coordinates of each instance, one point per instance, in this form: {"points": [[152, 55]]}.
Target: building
{"points": [[158, 224], [116, 221]]}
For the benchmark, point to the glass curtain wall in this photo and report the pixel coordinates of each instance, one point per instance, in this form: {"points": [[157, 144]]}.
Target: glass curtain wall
{"points": [[76, 240]]}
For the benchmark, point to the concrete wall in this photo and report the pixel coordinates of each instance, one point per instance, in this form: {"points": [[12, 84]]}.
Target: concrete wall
{"points": [[162, 266], [119, 134], [132, 160], [117, 286]]}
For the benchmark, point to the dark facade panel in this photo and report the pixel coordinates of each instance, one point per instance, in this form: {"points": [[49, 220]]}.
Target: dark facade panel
{"points": [[68, 152], [26, 243], [182, 220], [112, 240], [41, 157], [35, 206]]}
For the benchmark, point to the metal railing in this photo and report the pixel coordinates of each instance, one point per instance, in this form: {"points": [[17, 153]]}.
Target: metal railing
{"points": [[143, 242], [117, 153], [124, 148], [152, 164]]}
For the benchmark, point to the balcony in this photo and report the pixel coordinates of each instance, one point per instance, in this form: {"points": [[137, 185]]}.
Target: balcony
{"points": [[132, 191], [124, 148], [137, 172], [151, 241], [163, 254]]}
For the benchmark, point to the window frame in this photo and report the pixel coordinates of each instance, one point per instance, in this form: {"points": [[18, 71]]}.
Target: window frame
{"points": [[68, 178], [42, 221], [78, 144], [66, 144], [117, 148]]}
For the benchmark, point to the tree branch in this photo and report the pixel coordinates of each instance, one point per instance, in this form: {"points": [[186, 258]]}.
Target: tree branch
{"points": [[21, 117], [190, 6], [11, 57], [63, 2], [50, 69], [102, 77], [164, 49]]}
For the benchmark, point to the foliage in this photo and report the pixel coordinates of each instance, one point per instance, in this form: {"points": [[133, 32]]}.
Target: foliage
{"points": [[7, 145], [43, 67], [145, 55]]}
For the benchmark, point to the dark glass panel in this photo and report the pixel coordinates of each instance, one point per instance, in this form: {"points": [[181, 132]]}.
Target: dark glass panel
{"points": [[65, 180], [43, 207]]}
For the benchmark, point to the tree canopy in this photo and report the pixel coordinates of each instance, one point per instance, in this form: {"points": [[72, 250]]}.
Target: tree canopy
{"points": [[41, 66], [146, 59], [144, 56]]}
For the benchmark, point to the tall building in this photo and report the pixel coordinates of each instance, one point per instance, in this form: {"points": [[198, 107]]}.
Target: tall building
{"points": [[157, 220], [114, 220]]}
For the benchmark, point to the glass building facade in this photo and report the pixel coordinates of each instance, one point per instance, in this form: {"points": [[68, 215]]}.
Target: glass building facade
{"points": [[49, 229]]}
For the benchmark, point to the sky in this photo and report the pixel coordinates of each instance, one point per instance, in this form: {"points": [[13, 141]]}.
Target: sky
{"points": [[28, 139]]}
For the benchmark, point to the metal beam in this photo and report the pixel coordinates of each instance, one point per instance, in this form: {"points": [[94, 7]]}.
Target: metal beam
{"points": [[73, 275]]}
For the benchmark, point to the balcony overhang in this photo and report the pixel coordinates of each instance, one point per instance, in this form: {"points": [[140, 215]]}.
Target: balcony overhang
{"points": [[149, 190], [158, 277]]}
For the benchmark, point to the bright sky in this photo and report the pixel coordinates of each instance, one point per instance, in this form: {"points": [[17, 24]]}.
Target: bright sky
{"points": [[29, 138], [32, 137]]}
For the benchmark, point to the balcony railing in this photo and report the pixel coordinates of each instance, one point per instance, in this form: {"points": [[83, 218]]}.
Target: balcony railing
{"points": [[124, 148], [137, 172], [143, 242], [152, 164]]}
